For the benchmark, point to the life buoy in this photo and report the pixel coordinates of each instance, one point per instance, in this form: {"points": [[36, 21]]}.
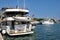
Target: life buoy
{"points": [[29, 18]]}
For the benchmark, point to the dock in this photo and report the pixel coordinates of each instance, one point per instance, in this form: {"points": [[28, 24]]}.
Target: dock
{"points": [[1, 38]]}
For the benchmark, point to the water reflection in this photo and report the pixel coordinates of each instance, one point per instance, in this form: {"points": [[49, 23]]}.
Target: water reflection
{"points": [[25, 37]]}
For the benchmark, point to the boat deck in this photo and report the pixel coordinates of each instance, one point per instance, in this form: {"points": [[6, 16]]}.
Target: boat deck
{"points": [[12, 33]]}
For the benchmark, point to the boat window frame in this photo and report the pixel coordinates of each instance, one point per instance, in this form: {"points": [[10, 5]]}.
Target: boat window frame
{"points": [[4, 23], [21, 22]]}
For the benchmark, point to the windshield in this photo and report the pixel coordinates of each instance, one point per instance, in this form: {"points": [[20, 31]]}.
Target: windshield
{"points": [[10, 14]]}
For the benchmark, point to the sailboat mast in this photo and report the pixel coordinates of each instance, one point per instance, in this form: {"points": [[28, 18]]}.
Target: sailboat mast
{"points": [[24, 3], [17, 4]]}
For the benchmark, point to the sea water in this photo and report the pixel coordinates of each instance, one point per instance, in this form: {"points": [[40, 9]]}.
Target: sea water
{"points": [[42, 32]]}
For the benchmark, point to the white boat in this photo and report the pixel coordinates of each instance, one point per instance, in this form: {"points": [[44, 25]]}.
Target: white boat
{"points": [[48, 22], [15, 22], [35, 22]]}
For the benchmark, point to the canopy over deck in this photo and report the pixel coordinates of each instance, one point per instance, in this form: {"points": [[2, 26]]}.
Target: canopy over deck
{"points": [[5, 10], [16, 10]]}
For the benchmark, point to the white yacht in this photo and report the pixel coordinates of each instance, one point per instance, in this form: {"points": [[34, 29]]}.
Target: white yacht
{"points": [[48, 22], [15, 22]]}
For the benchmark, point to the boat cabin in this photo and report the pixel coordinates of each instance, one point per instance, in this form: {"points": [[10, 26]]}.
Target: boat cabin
{"points": [[15, 12]]}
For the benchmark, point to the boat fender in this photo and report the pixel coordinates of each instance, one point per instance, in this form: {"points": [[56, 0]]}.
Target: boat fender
{"points": [[29, 18], [15, 31], [3, 31]]}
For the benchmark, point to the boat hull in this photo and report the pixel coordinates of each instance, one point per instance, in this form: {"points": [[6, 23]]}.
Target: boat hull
{"points": [[21, 33]]}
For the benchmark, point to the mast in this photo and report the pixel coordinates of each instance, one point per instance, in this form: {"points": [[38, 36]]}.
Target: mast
{"points": [[17, 6], [24, 4]]}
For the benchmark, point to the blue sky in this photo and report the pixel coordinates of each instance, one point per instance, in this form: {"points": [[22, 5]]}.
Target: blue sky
{"points": [[40, 8]]}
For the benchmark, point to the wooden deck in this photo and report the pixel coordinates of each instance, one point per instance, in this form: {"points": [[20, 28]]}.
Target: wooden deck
{"points": [[1, 38]]}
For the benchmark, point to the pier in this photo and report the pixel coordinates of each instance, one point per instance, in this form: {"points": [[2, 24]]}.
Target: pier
{"points": [[1, 38]]}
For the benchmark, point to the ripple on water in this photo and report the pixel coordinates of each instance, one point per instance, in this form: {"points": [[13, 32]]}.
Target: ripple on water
{"points": [[42, 32]]}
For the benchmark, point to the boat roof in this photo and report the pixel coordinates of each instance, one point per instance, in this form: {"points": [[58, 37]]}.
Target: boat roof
{"points": [[16, 10]]}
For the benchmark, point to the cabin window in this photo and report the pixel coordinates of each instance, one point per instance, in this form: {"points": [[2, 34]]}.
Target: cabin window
{"points": [[17, 22], [4, 23], [10, 14], [33, 24], [23, 22]]}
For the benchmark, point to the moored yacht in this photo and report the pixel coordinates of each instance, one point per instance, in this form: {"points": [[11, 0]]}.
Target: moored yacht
{"points": [[48, 22], [16, 22]]}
